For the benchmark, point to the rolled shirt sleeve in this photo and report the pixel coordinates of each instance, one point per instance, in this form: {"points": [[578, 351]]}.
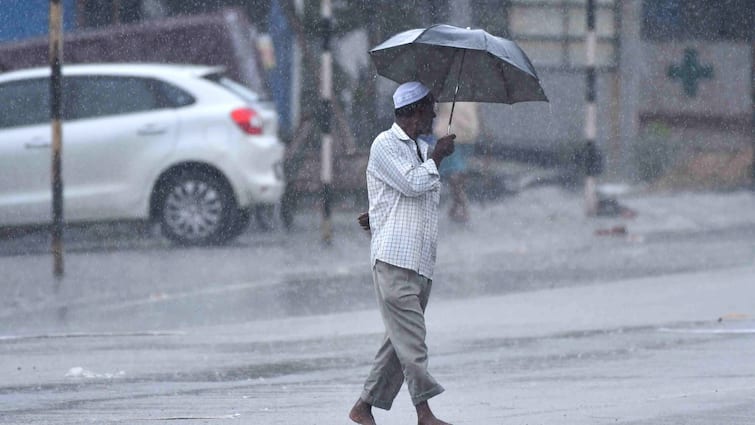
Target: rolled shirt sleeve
{"points": [[392, 167]]}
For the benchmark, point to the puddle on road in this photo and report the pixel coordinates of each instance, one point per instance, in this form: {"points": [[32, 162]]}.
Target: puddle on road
{"points": [[299, 296], [728, 324], [260, 370]]}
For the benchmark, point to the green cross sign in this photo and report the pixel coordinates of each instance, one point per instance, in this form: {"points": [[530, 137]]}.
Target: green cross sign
{"points": [[689, 72]]}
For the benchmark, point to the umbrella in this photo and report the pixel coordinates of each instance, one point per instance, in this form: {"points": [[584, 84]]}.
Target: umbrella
{"points": [[460, 64]]}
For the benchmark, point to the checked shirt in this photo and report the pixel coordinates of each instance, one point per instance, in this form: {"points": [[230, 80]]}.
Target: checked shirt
{"points": [[404, 193]]}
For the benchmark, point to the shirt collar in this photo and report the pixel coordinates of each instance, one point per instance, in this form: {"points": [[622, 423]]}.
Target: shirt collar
{"points": [[399, 132]]}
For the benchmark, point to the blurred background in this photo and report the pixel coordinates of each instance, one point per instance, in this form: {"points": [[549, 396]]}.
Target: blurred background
{"points": [[674, 79], [674, 99]]}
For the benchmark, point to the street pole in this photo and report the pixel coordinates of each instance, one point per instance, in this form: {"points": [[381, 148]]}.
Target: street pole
{"points": [[56, 79], [752, 106], [117, 12], [590, 153], [326, 95]]}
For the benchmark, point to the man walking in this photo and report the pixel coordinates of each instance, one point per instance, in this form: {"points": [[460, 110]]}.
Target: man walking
{"points": [[403, 185]]}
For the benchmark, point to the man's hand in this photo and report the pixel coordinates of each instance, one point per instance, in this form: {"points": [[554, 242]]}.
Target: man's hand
{"points": [[443, 147], [364, 221]]}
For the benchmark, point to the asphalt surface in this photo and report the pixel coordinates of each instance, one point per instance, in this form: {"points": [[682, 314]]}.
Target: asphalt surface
{"points": [[535, 318], [672, 349], [125, 277]]}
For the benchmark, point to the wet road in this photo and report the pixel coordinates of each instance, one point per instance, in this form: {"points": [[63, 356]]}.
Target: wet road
{"points": [[275, 322], [128, 278], [646, 351]]}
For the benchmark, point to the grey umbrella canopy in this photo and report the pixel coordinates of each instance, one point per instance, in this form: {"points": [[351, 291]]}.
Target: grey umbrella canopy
{"points": [[459, 64]]}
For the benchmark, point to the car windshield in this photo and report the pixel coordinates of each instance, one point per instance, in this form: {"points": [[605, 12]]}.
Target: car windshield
{"points": [[237, 88]]}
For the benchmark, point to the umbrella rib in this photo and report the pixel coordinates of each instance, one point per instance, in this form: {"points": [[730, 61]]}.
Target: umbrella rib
{"points": [[424, 31], [456, 91], [447, 72], [505, 83]]}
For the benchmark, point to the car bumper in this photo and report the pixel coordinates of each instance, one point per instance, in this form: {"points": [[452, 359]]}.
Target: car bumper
{"points": [[261, 190]]}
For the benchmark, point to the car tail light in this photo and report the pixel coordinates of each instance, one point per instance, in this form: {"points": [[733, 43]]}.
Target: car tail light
{"points": [[248, 120]]}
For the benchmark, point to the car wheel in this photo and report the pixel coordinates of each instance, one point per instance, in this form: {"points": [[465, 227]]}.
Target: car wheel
{"points": [[198, 209]]}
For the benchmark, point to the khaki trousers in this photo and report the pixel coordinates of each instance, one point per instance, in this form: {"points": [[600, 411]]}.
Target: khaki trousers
{"points": [[402, 297]]}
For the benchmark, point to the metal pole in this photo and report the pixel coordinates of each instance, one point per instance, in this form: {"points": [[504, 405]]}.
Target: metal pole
{"points": [[326, 94], [591, 111], [56, 79], [116, 12], [752, 107]]}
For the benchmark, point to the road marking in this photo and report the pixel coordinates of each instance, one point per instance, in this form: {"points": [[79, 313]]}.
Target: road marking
{"points": [[709, 331], [189, 418], [89, 335]]}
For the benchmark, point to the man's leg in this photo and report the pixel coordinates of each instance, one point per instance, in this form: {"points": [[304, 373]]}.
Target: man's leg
{"points": [[404, 296], [399, 291], [425, 416], [385, 379], [361, 413]]}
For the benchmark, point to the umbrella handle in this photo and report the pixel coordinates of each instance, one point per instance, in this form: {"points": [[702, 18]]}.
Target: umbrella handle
{"points": [[456, 91]]}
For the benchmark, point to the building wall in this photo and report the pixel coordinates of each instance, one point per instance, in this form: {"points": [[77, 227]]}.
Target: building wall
{"points": [[644, 106], [695, 85], [703, 116], [20, 19]]}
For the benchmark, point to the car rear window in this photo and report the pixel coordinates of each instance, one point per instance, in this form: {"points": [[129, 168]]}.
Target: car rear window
{"points": [[240, 90], [173, 96]]}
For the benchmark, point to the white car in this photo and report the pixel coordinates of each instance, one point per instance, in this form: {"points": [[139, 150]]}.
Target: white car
{"points": [[178, 144]]}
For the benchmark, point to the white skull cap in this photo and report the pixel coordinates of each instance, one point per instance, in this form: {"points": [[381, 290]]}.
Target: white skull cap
{"points": [[409, 93]]}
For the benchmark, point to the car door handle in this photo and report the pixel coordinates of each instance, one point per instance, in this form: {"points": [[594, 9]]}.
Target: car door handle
{"points": [[37, 145], [152, 130]]}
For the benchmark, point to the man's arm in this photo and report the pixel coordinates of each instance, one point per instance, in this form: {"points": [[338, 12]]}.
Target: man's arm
{"points": [[389, 165], [443, 148]]}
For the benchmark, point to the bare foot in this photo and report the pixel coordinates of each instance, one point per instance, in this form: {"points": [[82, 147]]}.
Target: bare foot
{"points": [[432, 421], [361, 413], [425, 416]]}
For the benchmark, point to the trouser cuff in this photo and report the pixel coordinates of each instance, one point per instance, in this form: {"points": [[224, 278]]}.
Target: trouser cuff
{"points": [[427, 395], [375, 402]]}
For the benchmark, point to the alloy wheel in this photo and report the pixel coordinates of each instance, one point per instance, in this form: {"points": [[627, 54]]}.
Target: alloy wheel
{"points": [[193, 210]]}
